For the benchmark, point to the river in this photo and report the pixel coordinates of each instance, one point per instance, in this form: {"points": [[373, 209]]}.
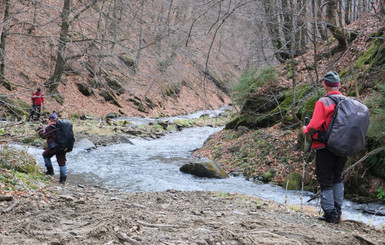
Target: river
{"points": [[153, 165]]}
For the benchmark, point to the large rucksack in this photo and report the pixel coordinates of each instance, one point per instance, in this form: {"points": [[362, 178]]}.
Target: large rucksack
{"points": [[64, 135], [346, 133]]}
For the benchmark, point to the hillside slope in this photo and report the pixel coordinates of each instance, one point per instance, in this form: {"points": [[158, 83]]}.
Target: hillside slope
{"points": [[142, 64], [265, 142]]}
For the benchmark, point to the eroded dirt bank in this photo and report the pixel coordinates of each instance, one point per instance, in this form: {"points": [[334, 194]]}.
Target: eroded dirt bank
{"points": [[70, 214]]}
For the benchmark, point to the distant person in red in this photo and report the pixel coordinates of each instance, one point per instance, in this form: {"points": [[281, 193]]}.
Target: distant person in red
{"points": [[37, 101]]}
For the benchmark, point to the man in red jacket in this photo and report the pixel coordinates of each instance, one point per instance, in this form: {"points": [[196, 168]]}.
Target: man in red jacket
{"points": [[37, 101], [328, 165]]}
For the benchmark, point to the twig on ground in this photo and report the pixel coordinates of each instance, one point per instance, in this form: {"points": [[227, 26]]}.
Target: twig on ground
{"points": [[125, 238], [11, 207], [155, 225]]}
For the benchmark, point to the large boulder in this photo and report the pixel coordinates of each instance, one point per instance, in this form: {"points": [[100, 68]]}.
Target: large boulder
{"points": [[85, 144], [204, 168]]}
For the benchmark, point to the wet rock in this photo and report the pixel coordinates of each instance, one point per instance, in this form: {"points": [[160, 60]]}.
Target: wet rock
{"points": [[242, 130], [293, 180], [132, 132], [125, 140], [85, 144], [205, 168], [111, 115], [374, 209]]}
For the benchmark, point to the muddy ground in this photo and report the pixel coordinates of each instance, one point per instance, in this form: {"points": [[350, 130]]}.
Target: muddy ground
{"points": [[74, 214]]}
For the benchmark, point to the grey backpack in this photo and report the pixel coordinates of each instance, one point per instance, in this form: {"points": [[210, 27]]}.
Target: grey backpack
{"points": [[346, 133]]}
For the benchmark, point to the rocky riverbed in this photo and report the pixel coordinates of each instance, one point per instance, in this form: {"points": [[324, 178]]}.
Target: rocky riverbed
{"points": [[76, 214]]}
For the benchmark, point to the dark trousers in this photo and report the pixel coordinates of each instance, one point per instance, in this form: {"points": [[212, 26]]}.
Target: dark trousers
{"points": [[37, 109], [60, 155], [329, 168]]}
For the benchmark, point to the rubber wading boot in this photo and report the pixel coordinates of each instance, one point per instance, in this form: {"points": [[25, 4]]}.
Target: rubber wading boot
{"points": [[338, 192], [327, 204], [49, 166], [63, 174]]}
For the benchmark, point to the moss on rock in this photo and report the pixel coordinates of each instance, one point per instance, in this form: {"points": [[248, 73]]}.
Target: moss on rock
{"points": [[293, 181]]}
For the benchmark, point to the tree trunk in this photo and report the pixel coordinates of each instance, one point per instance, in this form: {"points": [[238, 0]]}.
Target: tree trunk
{"points": [[382, 9], [348, 4], [3, 38], [340, 10], [315, 24], [272, 26], [301, 36], [321, 28], [55, 79], [332, 25], [287, 24]]}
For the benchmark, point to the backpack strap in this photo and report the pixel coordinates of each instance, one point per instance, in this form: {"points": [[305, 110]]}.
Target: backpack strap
{"points": [[336, 99], [323, 135]]}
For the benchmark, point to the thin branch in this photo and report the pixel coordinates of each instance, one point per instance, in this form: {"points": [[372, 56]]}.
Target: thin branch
{"points": [[345, 174]]}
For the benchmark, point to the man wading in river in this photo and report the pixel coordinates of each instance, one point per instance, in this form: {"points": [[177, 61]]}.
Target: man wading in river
{"points": [[49, 133], [328, 165]]}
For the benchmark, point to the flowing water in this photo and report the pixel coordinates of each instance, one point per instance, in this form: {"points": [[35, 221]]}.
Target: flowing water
{"points": [[153, 165]]}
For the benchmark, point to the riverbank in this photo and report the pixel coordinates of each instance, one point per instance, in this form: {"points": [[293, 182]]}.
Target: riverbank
{"points": [[75, 214], [71, 214]]}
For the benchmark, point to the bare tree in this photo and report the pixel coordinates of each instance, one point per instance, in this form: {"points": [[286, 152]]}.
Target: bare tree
{"points": [[3, 40], [332, 23], [66, 21]]}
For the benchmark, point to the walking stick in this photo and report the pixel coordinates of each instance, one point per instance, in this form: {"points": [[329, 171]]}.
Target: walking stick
{"points": [[304, 164]]}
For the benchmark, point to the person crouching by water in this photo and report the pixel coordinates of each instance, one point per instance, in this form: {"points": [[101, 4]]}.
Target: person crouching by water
{"points": [[49, 133]]}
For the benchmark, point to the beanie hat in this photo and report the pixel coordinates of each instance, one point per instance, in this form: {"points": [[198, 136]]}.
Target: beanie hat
{"points": [[54, 116], [332, 79]]}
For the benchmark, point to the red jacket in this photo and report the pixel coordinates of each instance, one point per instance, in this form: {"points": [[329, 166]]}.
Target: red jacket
{"points": [[322, 115], [37, 98]]}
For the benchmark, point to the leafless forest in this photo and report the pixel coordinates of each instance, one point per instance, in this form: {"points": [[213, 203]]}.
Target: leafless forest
{"points": [[142, 54]]}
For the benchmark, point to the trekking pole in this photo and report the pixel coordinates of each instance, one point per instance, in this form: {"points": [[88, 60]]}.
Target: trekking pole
{"points": [[304, 164]]}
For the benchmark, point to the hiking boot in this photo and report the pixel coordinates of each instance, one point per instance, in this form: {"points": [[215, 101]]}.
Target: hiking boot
{"points": [[49, 171], [62, 179], [322, 218], [331, 218]]}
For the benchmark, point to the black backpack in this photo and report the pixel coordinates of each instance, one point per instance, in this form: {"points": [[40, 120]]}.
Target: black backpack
{"points": [[346, 133], [64, 135]]}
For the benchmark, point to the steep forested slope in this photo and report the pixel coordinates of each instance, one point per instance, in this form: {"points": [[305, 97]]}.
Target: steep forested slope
{"points": [[265, 141], [130, 57]]}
